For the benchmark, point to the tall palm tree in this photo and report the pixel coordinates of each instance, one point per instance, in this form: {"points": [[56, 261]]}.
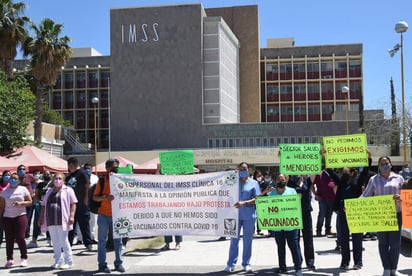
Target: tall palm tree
{"points": [[49, 52], [13, 32]]}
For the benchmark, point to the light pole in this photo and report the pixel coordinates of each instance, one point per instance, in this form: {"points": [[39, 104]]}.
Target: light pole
{"points": [[401, 27], [95, 101], [345, 90]]}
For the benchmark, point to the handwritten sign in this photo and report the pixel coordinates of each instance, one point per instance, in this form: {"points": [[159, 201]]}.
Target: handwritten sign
{"points": [[159, 205], [298, 159], [371, 214], [346, 151], [177, 162], [279, 212], [406, 197]]}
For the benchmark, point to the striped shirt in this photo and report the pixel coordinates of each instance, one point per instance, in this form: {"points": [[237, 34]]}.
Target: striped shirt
{"points": [[379, 185]]}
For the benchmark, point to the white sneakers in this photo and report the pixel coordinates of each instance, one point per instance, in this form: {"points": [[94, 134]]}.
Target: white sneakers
{"points": [[248, 268], [229, 268], [61, 266]]}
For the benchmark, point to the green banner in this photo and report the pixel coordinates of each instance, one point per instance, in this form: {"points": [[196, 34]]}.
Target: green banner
{"points": [[125, 170], [177, 162], [296, 159], [346, 151], [279, 212], [371, 214]]}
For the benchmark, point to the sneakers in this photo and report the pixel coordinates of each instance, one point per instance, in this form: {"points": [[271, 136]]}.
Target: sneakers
{"points": [[104, 269], [56, 266], [299, 272], [49, 243], [229, 268], [32, 244], [120, 268], [344, 266], [66, 266], [166, 247], [23, 262], [281, 270], [357, 267], [177, 246], [9, 264], [248, 268], [89, 247]]}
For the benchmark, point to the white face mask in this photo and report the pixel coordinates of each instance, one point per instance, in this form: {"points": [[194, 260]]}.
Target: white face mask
{"points": [[259, 178]]}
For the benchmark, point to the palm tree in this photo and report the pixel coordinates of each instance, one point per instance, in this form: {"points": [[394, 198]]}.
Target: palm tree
{"points": [[12, 33], [49, 52]]}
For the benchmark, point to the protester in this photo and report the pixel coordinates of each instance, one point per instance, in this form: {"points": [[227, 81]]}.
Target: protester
{"points": [[289, 236], [13, 203], [34, 213], [4, 183], [248, 190], [57, 217], [257, 175], [387, 182], [169, 239], [40, 192], [324, 190], [104, 221], [80, 182]]}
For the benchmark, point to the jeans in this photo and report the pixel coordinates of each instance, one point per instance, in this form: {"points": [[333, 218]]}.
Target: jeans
{"points": [[248, 228], [325, 214], [307, 233], [389, 244], [169, 239], [82, 217], [60, 243], [292, 238], [344, 242], [34, 208], [103, 225]]}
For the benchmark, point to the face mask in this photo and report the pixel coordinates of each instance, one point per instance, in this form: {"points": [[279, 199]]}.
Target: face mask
{"points": [[37, 176], [21, 173], [46, 177], [259, 178], [58, 182], [267, 180], [89, 172], [385, 168], [13, 182], [243, 174], [114, 170], [6, 178]]}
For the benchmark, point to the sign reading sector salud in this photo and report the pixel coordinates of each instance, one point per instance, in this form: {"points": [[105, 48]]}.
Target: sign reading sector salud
{"points": [[177, 162], [298, 159], [159, 205], [279, 212], [346, 151], [371, 214]]}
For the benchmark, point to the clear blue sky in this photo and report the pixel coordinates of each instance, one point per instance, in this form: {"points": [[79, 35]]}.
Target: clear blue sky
{"points": [[316, 22]]}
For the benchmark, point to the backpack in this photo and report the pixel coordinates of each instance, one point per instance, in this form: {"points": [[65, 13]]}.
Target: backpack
{"points": [[95, 205]]}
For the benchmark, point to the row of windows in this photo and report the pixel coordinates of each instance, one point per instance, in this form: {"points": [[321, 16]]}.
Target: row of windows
{"points": [[261, 141], [82, 79]]}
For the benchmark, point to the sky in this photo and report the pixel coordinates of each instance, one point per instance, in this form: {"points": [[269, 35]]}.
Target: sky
{"points": [[316, 22]]}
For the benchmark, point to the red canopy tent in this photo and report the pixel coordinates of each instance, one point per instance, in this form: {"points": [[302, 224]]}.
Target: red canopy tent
{"points": [[123, 162], [8, 164], [35, 158]]}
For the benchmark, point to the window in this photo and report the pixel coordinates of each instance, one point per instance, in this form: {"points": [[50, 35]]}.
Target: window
{"points": [[210, 143]]}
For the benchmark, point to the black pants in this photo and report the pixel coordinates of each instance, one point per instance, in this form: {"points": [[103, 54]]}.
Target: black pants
{"points": [[307, 233], [82, 216]]}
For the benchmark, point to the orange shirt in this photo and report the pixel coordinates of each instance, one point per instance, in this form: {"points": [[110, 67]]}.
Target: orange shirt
{"points": [[106, 205]]}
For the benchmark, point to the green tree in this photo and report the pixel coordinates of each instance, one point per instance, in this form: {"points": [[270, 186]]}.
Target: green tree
{"points": [[53, 117], [49, 52], [16, 112], [13, 32]]}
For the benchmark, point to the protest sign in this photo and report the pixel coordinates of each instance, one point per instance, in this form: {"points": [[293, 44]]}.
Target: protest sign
{"points": [[159, 205], [177, 162], [279, 212], [371, 214], [123, 170], [296, 159], [346, 151], [406, 197]]}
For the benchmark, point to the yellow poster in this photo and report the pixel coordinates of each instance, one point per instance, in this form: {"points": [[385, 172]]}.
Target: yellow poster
{"points": [[345, 151], [371, 214]]}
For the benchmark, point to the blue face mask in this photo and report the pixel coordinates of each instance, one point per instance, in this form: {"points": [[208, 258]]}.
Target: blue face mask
{"points": [[385, 168], [89, 172], [21, 173], [13, 182], [6, 178], [243, 174]]}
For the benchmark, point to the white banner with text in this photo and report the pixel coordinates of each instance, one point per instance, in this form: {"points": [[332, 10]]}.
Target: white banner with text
{"points": [[157, 205]]}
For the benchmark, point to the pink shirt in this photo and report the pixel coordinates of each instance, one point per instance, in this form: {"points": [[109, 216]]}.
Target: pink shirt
{"points": [[10, 196], [67, 198]]}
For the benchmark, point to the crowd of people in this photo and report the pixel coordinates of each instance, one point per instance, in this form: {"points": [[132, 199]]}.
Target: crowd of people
{"points": [[57, 205]]}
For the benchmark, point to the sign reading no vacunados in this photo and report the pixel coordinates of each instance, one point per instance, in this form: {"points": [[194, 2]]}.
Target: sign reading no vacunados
{"points": [[298, 159], [345, 151], [159, 205], [279, 212]]}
